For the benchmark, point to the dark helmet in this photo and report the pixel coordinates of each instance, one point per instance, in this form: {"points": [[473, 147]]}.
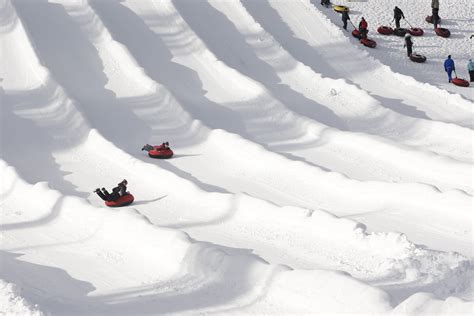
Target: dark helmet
{"points": [[124, 182], [449, 56]]}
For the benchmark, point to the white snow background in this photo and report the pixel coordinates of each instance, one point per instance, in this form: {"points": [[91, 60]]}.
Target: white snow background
{"points": [[311, 174]]}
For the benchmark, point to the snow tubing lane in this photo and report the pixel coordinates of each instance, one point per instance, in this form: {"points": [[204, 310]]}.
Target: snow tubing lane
{"points": [[124, 200], [385, 30], [417, 58], [368, 42], [429, 19], [340, 8], [441, 31], [400, 31], [161, 154], [416, 31], [460, 82]]}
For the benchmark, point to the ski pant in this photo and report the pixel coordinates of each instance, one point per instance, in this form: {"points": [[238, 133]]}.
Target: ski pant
{"points": [[345, 24], [397, 23], [449, 71], [435, 17], [471, 74], [409, 51], [106, 196]]}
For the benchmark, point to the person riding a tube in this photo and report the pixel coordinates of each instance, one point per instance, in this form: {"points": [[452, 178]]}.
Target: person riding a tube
{"points": [[363, 28], [117, 192], [163, 146]]}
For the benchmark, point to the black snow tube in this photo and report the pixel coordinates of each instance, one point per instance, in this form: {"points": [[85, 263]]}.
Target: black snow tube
{"points": [[443, 32], [368, 42], [460, 82], [417, 58], [416, 31], [385, 30], [400, 31]]}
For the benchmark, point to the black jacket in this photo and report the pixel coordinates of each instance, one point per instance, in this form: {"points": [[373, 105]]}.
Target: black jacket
{"points": [[408, 42], [398, 13], [345, 16]]}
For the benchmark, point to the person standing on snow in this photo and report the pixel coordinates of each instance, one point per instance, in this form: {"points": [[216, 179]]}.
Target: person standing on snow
{"points": [[345, 17], [363, 28], [408, 44], [435, 12], [397, 16], [449, 67], [470, 67]]}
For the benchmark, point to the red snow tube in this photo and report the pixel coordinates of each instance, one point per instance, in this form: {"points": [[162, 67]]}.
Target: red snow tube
{"points": [[460, 82], [385, 30], [441, 31], [124, 200], [417, 58], [400, 31], [356, 34], [368, 42], [164, 153], [429, 19], [416, 31]]}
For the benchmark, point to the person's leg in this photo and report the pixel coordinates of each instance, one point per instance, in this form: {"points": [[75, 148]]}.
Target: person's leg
{"points": [[409, 51], [471, 74], [106, 194], [397, 23], [345, 25], [101, 195], [449, 75]]}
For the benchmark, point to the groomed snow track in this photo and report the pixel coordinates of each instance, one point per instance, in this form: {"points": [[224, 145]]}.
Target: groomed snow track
{"points": [[291, 190]]}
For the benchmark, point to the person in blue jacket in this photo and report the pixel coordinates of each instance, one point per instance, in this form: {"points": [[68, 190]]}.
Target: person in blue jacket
{"points": [[449, 67], [470, 67]]}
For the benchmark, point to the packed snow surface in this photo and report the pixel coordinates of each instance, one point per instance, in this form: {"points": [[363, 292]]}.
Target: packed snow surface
{"points": [[311, 174]]}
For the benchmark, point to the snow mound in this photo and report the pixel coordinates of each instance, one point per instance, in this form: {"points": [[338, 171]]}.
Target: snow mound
{"points": [[11, 302]]}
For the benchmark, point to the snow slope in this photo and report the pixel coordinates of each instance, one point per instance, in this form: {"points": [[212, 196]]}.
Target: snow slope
{"points": [[271, 155]]}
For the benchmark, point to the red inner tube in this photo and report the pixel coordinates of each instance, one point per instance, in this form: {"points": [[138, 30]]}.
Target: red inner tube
{"points": [[460, 82], [385, 30], [124, 200], [441, 31], [417, 58], [368, 42], [356, 33], [416, 31], [160, 153]]}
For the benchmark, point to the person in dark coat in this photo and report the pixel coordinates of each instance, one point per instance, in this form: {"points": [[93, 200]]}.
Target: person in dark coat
{"points": [[117, 192], [345, 18], [397, 16], [435, 12], [325, 2], [470, 68], [363, 28], [408, 44], [449, 67]]}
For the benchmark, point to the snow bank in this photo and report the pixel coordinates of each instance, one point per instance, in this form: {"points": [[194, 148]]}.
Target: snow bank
{"points": [[126, 252], [11, 302], [427, 304]]}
